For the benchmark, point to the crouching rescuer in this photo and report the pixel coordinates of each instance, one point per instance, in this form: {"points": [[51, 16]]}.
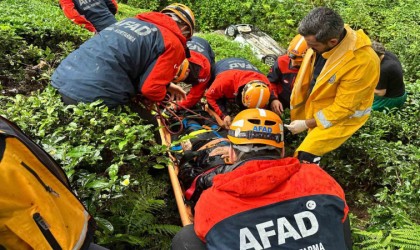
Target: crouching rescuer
{"points": [[265, 201]]}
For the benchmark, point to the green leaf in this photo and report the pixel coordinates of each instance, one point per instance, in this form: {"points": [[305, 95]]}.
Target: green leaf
{"points": [[113, 170], [79, 151], [290, 21], [97, 184], [122, 144], [104, 224], [158, 166]]}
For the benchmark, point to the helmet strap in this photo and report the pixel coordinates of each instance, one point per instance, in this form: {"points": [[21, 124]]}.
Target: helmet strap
{"points": [[258, 152], [250, 147]]}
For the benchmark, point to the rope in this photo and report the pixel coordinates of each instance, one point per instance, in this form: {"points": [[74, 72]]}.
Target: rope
{"points": [[156, 108], [195, 114], [168, 120]]}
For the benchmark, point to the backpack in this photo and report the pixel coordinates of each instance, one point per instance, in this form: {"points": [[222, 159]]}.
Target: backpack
{"points": [[38, 209]]}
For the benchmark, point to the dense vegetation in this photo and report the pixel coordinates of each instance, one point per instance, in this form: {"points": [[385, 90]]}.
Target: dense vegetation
{"points": [[119, 171]]}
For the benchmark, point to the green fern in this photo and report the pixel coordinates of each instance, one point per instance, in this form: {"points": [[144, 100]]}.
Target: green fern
{"points": [[136, 217], [407, 238], [404, 238]]}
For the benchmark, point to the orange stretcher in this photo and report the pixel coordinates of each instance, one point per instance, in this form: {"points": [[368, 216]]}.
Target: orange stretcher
{"points": [[183, 208]]}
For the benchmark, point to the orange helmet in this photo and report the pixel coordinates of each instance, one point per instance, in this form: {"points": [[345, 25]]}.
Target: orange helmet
{"points": [[182, 13], [182, 72], [255, 94], [257, 126], [297, 48]]}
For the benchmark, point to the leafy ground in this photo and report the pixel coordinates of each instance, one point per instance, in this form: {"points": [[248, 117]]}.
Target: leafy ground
{"points": [[26, 86], [117, 168]]}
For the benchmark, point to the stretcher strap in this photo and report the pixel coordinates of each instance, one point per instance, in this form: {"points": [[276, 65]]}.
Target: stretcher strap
{"points": [[190, 191]]}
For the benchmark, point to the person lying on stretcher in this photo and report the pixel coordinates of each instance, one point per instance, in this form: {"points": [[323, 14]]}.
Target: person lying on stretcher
{"points": [[205, 154]]}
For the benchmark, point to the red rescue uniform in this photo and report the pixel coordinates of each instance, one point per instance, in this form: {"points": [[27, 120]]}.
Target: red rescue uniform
{"points": [[232, 74], [272, 204]]}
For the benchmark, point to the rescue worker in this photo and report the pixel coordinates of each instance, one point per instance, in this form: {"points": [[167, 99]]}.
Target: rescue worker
{"points": [[265, 201], [201, 68], [390, 90], [239, 84], [128, 59], [283, 73], [333, 91], [94, 15]]}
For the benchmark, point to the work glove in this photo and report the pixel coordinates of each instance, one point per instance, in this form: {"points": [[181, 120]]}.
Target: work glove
{"points": [[297, 126]]}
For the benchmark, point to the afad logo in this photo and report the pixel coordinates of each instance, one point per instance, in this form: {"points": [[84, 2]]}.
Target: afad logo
{"points": [[138, 28], [262, 129], [282, 230]]}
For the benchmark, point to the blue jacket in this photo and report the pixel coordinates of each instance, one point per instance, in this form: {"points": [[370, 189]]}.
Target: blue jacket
{"points": [[201, 70], [203, 47], [94, 15], [134, 56], [234, 63]]}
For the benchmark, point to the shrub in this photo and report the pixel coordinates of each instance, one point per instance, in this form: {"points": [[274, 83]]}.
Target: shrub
{"points": [[114, 163], [40, 23], [109, 156]]}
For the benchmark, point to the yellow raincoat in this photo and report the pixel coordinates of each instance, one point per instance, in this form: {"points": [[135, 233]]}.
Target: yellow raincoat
{"points": [[342, 97], [38, 209]]}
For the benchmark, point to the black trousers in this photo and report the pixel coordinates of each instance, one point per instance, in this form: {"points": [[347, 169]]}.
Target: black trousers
{"points": [[186, 239], [305, 157]]}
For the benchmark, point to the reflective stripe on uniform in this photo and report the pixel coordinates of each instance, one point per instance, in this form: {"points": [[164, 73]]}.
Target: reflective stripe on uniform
{"points": [[83, 233], [360, 113], [326, 124]]}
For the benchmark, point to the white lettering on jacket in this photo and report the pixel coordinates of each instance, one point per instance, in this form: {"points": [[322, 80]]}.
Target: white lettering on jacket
{"points": [[195, 47], [284, 231], [87, 4], [239, 65], [318, 246], [138, 28], [82, 2]]}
